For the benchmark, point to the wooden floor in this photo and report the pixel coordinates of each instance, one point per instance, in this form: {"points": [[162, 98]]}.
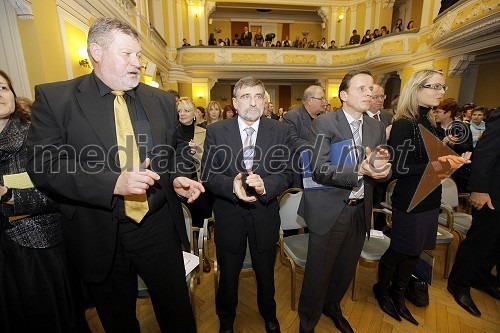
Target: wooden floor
{"points": [[442, 315]]}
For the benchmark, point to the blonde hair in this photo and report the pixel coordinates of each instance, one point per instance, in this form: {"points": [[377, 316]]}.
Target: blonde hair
{"points": [[213, 104], [188, 104], [408, 103]]}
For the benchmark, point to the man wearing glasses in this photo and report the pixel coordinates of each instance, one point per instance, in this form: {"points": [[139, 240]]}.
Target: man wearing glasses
{"points": [[246, 166], [376, 110], [300, 120]]}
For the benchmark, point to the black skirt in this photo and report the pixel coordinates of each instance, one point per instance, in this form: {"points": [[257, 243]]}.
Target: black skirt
{"points": [[38, 291], [414, 232]]}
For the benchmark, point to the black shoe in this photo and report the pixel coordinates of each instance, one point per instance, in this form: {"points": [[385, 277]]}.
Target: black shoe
{"points": [[340, 322], [385, 303], [490, 289], [398, 299], [273, 326], [465, 301]]}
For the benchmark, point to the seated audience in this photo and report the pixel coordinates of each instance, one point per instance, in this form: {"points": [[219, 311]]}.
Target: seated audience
{"points": [[214, 114], [366, 37], [384, 31], [477, 124], [410, 26], [399, 24], [332, 45], [229, 112], [376, 33], [467, 112], [211, 40], [185, 42]]}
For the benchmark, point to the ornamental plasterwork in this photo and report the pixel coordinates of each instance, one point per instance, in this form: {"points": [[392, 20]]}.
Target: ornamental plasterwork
{"points": [[126, 6], [475, 12], [209, 7], [323, 58], [323, 13], [392, 47], [301, 59], [443, 27], [459, 63], [222, 56], [249, 58], [349, 58], [276, 57], [196, 58], [388, 3]]}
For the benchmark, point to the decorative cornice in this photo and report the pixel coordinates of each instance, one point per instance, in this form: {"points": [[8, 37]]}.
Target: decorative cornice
{"points": [[389, 3], [23, 9], [210, 7], [458, 64], [191, 2], [323, 13]]}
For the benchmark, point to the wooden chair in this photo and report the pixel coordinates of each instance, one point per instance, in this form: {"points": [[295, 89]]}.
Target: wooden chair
{"points": [[293, 249], [461, 222]]}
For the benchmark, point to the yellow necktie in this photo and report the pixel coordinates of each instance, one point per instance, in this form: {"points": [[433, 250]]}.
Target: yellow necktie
{"points": [[136, 205]]}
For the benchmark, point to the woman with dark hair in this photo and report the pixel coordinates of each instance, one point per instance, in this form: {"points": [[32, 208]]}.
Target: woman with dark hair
{"points": [[399, 25], [228, 112], [38, 290], [211, 40], [366, 37], [414, 225], [410, 26]]}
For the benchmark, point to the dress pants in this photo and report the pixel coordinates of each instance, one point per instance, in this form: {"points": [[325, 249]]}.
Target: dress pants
{"points": [[480, 244], [331, 263], [152, 250], [230, 265]]}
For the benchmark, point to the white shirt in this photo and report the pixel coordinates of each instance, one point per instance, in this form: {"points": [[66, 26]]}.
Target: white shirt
{"points": [[358, 191], [371, 114], [242, 125]]}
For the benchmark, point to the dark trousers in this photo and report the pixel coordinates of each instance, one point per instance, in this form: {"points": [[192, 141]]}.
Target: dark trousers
{"points": [[152, 250], [230, 265], [480, 245], [331, 262]]}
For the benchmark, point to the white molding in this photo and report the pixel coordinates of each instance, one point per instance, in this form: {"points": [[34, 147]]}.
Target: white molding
{"points": [[458, 64], [11, 51]]}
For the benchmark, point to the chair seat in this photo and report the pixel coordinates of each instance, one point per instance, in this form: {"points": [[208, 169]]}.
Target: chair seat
{"points": [[443, 236], [462, 222], [374, 248], [296, 248]]}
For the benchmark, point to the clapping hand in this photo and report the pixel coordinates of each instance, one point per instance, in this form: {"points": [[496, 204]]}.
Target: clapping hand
{"points": [[376, 164], [239, 190], [188, 188], [456, 161]]}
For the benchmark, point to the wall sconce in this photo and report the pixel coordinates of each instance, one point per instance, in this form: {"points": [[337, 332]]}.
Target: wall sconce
{"points": [[305, 32], [224, 98], [218, 30], [341, 17], [199, 95], [154, 84], [82, 52], [196, 11], [298, 98]]}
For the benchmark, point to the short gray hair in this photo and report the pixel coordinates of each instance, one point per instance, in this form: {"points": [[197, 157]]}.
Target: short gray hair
{"points": [[247, 81], [311, 91], [101, 31]]}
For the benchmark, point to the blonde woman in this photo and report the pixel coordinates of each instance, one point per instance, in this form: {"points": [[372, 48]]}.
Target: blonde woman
{"points": [[195, 137], [214, 114], [414, 229]]}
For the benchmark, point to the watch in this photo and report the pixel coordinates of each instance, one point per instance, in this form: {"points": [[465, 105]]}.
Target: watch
{"points": [[6, 196]]}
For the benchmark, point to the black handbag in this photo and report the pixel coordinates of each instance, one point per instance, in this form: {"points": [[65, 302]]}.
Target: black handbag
{"points": [[417, 292]]}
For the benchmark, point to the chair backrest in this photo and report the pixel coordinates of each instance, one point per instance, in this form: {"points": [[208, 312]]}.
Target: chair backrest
{"points": [[188, 220], [449, 195], [289, 204], [390, 189]]}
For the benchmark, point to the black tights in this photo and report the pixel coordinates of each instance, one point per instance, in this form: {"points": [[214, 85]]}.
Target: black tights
{"points": [[393, 258]]}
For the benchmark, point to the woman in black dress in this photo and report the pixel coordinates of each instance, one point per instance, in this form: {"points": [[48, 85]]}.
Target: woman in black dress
{"points": [[414, 229], [38, 290]]}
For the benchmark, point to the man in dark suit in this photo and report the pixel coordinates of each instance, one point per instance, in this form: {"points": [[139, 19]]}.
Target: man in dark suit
{"points": [[377, 112], [86, 141], [355, 38], [246, 166], [339, 217], [300, 120], [246, 37], [482, 244]]}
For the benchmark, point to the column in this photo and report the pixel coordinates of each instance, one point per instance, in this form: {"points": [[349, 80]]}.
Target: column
{"points": [[180, 29], [368, 16], [192, 11], [354, 10], [202, 21], [332, 24], [426, 13], [378, 4], [343, 27], [171, 27]]}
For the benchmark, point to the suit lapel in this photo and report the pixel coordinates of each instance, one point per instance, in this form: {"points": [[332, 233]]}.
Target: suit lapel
{"points": [[368, 132], [264, 138], [94, 109], [343, 125], [232, 138]]}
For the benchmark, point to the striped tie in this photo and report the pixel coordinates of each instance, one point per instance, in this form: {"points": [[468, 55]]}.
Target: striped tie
{"points": [[358, 191], [248, 149]]}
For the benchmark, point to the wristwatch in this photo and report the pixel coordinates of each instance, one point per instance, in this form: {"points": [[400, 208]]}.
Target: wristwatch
{"points": [[7, 195]]}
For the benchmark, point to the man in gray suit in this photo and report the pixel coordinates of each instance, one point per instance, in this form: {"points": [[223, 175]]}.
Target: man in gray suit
{"points": [[300, 120], [338, 217]]}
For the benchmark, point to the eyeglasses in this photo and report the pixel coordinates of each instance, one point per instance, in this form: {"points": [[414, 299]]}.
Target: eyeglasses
{"points": [[435, 86], [381, 97], [319, 98]]}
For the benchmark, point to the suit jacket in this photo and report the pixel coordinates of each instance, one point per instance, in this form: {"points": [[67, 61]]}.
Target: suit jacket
{"points": [[321, 208], [355, 39], [386, 117], [486, 162], [223, 160], [70, 131], [300, 123]]}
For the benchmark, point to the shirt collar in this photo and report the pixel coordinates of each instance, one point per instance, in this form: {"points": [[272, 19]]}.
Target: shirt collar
{"points": [[350, 119], [371, 114], [104, 89], [242, 125]]}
